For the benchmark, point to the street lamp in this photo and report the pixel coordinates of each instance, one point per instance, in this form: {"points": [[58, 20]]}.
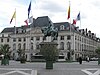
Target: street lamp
{"points": [[69, 50]]}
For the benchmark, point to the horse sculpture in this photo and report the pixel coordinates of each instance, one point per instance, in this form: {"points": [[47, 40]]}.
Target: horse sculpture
{"points": [[50, 31]]}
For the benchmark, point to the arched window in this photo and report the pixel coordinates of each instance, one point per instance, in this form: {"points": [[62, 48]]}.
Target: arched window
{"points": [[20, 30], [24, 46], [62, 27], [14, 46], [62, 45], [19, 46], [68, 46], [31, 46], [37, 45]]}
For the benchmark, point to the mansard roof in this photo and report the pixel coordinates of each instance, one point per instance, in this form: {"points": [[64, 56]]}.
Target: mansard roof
{"points": [[41, 21]]}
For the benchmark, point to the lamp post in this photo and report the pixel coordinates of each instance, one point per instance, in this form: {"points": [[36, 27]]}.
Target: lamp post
{"points": [[69, 50]]}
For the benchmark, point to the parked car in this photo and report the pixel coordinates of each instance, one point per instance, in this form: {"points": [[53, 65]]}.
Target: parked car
{"points": [[94, 59]]}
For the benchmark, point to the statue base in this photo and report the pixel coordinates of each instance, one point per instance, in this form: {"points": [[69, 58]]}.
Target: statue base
{"points": [[48, 48]]}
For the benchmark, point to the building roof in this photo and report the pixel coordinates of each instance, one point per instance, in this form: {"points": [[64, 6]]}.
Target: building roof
{"points": [[39, 22], [8, 30], [42, 21]]}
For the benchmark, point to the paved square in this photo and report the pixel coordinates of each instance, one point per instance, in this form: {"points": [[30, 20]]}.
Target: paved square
{"points": [[17, 71], [38, 68]]}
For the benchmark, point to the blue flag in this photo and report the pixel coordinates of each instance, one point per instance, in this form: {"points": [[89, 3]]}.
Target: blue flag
{"points": [[29, 8], [78, 16]]}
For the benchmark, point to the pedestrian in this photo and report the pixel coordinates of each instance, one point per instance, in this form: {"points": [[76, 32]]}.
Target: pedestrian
{"points": [[87, 59], [80, 60]]}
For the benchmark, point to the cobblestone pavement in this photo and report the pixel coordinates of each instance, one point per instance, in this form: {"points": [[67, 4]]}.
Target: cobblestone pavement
{"points": [[38, 68]]}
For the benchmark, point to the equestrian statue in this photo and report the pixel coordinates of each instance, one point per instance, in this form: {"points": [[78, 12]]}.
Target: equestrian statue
{"points": [[50, 31]]}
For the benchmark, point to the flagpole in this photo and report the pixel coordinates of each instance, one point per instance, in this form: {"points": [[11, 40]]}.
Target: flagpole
{"points": [[80, 20], [70, 31], [15, 22], [30, 29], [15, 30]]}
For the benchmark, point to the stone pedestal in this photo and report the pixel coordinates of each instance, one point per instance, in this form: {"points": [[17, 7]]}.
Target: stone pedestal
{"points": [[50, 52]]}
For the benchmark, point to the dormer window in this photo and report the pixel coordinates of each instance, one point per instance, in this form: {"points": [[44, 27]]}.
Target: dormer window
{"points": [[62, 27], [20, 30]]}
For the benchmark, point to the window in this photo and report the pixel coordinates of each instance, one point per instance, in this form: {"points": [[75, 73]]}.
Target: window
{"points": [[20, 30], [75, 37], [31, 38], [80, 38], [14, 39], [24, 46], [24, 39], [31, 46], [1, 40], [14, 46], [62, 38], [44, 38], [2, 35], [68, 45], [7, 39], [37, 46], [62, 27], [62, 45], [37, 38], [68, 37], [19, 39], [19, 46]]}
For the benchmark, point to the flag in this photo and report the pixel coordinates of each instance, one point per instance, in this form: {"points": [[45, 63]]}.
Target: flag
{"points": [[29, 8], [74, 22], [68, 13], [14, 16], [31, 19], [78, 16], [26, 21]]}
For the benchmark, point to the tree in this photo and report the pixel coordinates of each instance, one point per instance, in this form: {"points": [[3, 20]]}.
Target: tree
{"points": [[98, 51], [4, 49]]}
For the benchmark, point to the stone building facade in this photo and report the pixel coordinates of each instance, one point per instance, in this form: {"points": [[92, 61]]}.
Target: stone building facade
{"points": [[71, 39]]}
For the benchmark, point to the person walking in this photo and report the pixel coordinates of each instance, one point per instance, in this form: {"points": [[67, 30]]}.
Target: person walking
{"points": [[80, 60], [87, 59]]}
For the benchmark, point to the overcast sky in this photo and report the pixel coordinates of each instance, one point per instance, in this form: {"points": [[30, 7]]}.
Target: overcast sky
{"points": [[55, 9]]}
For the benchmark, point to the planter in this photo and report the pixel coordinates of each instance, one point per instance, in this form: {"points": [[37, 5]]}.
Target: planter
{"points": [[5, 62], [23, 60], [49, 65], [98, 61]]}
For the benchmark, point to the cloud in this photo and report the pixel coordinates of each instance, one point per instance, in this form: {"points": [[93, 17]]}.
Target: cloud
{"points": [[56, 10], [52, 7]]}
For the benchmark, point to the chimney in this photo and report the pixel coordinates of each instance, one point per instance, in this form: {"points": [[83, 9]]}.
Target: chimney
{"points": [[86, 30], [89, 33]]}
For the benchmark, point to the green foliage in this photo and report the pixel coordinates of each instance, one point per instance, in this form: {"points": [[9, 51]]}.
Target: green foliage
{"points": [[49, 52], [98, 50], [4, 49]]}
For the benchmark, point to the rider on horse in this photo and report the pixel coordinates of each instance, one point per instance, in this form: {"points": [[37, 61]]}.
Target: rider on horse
{"points": [[50, 31]]}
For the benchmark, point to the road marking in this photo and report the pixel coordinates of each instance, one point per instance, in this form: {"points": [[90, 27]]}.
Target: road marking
{"points": [[18, 70], [87, 71]]}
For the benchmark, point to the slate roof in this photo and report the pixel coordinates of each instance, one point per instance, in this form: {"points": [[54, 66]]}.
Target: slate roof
{"points": [[8, 30], [40, 22]]}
